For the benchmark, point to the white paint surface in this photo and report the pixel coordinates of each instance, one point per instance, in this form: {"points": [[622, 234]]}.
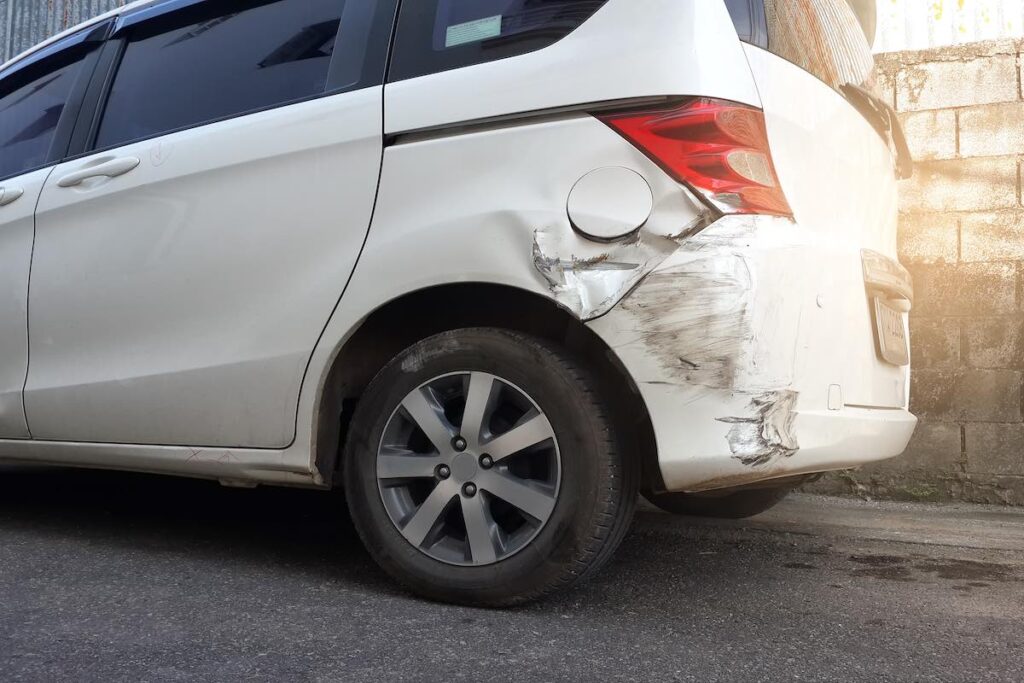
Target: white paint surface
{"points": [[610, 203], [179, 303], [767, 306], [15, 258]]}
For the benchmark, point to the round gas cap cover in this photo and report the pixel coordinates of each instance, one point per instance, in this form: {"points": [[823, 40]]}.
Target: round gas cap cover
{"points": [[610, 203]]}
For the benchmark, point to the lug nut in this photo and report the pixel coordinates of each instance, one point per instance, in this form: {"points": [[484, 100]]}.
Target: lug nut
{"points": [[469, 490], [443, 471], [486, 461], [459, 444]]}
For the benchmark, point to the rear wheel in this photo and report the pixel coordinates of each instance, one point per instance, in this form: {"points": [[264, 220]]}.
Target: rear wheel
{"points": [[726, 504], [482, 469]]}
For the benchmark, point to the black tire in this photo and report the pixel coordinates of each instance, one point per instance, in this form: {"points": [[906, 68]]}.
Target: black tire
{"points": [[728, 504], [595, 501]]}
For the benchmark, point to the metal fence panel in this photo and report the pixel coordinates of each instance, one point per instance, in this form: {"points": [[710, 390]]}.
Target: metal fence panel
{"points": [[27, 22]]}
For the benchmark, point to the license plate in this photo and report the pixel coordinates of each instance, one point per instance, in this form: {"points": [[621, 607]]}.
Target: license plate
{"points": [[892, 334]]}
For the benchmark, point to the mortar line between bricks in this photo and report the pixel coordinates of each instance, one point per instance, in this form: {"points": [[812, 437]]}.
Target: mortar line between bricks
{"points": [[1020, 284], [959, 239], [1018, 181], [938, 315], [963, 448], [961, 324], [956, 136], [960, 214], [927, 419], [1020, 86]]}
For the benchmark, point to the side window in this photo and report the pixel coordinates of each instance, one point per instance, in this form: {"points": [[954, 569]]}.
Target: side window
{"points": [[826, 38], [439, 35], [214, 60], [748, 16], [31, 103]]}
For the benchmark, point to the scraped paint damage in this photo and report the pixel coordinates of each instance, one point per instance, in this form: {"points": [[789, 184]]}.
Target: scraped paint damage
{"points": [[705, 322], [693, 317], [694, 314], [590, 278], [766, 435]]}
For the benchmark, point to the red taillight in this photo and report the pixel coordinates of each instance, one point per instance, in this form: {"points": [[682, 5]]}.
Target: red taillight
{"points": [[718, 148]]}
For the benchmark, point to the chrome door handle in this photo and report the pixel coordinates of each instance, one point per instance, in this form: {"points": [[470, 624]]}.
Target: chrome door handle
{"points": [[9, 195], [107, 169]]}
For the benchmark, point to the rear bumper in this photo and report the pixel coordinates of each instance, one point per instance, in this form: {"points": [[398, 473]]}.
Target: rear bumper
{"points": [[754, 349], [825, 440]]}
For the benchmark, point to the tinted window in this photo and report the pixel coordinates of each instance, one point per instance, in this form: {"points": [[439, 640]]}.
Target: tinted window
{"points": [[823, 37], [748, 16], [31, 104], [187, 68], [437, 35]]}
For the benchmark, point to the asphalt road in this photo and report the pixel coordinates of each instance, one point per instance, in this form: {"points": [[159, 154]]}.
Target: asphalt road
{"points": [[108, 576]]}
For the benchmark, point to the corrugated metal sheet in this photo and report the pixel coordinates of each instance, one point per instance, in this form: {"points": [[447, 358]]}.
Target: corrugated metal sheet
{"points": [[27, 22]]}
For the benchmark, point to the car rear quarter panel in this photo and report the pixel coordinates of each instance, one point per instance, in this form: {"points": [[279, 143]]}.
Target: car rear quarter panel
{"points": [[487, 203]]}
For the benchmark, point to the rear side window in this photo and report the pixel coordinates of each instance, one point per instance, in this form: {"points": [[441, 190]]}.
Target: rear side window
{"points": [[439, 35], [823, 37], [31, 104], [215, 61], [748, 16]]}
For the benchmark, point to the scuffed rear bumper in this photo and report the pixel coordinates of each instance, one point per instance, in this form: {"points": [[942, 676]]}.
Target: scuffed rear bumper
{"points": [[754, 350]]}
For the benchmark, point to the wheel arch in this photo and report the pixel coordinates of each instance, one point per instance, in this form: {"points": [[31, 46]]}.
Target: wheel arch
{"points": [[414, 316]]}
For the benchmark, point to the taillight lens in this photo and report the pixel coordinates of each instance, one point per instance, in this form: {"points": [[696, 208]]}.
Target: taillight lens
{"points": [[718, 148]]}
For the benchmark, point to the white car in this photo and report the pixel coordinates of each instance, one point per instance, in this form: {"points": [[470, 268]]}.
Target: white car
{"points": [[491, 266]]}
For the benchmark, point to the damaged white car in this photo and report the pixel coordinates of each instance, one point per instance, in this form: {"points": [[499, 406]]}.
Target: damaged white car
{"points": [[491, 266]]}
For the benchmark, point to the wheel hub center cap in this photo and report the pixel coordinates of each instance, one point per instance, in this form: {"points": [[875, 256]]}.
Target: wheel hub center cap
{"points": [[464, 467]]}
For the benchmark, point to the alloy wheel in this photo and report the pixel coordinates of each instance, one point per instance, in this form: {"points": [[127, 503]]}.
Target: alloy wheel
{"points": [[468, 468]]}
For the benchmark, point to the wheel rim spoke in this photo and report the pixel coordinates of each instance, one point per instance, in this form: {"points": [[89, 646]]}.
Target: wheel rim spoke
{"points": [[428, 416], [406, 465], [478, 530], [534, 502], [429, 513], [478, 407], [505, 486], [531, 432]]}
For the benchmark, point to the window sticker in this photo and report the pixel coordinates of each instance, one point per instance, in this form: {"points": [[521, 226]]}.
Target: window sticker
{"points": [[473, 31]]}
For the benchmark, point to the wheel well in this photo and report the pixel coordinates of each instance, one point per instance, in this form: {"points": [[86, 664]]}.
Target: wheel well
{"points": [[404, 321]]}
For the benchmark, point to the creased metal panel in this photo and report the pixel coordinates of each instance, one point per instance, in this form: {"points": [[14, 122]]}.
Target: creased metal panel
{"points": [[27, 22]]}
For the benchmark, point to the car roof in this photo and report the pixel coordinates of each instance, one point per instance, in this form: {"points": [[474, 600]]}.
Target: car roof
{"points": [[74, 29]]}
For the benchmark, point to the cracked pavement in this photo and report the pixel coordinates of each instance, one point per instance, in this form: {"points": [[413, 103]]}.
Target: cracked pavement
{"points": [[109, 576]]}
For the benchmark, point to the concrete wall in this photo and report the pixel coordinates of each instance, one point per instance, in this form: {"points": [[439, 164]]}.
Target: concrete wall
{"points": [[962, 236]]}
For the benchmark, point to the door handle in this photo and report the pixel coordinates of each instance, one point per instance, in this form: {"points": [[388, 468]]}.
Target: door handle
{"points": [[107, 169], [9, 195]]}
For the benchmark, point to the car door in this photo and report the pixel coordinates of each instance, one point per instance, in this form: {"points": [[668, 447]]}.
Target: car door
{"points": [[39, 97], [186, 263]]}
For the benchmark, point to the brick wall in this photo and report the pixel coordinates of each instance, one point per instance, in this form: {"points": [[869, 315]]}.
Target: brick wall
{"points": [[962, 236]]}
